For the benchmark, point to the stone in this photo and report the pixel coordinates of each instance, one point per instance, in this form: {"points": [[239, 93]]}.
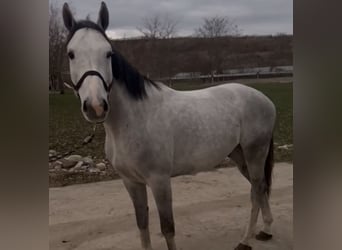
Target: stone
{"points": [[68, 164], [52, 152], [58, 167], [101, 166], [75, 158], [88, 160], [78, 166], [55, 163], [94, 170]]}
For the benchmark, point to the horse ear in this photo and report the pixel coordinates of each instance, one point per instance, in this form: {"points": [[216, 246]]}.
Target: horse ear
{"points": [[103, 19], [68, 19]]}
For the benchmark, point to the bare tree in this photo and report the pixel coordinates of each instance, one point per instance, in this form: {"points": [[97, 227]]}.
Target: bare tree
{"points": [[218, 26], [57, 36], [158, 27], [169, 27], [214, 28]]}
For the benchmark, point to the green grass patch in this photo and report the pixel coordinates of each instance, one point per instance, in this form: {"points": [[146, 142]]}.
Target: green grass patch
{"points": [[68, 128]]}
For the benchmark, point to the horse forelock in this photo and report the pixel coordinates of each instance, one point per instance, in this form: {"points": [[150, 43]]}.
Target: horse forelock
{"points": [[85, 24]]}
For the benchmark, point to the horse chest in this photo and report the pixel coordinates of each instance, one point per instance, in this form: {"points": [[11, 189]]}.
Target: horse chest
{"points": [[127, 160]]}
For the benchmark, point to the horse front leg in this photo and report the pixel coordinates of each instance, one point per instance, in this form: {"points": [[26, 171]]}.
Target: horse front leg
{"points": [[138, 194], [161, 189]]}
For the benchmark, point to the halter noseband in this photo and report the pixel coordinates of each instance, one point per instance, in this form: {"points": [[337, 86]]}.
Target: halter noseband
{"points": [[92, 73]]}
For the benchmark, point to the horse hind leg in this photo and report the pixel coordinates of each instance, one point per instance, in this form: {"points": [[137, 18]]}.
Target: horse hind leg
{"points": [[256, 158], [237, 156], [266, 233]]}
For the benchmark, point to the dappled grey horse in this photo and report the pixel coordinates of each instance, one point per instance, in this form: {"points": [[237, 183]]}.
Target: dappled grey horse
{"points": [[154, 132]]}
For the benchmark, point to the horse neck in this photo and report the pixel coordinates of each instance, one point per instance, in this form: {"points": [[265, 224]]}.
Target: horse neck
{"points": [[123, 108]]}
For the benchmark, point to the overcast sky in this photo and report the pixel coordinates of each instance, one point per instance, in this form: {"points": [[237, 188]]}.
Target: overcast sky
{"points": [[254, 17]]}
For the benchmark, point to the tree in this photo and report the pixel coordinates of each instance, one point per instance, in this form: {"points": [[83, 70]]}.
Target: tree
{"points": [[217, 26], [214, 28], [158, 27], [57, 36]]}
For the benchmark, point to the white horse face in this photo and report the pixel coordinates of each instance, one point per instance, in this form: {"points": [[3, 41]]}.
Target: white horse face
{"points": [[90, 65], [89, 50]]}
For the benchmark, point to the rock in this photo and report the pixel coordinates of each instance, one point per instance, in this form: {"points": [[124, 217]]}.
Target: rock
{"points": [[88, 160], [94, 170], [56, 163], [68, 164], [101, 166], [58, 167], [52, 152], [78, 165], [74, 158]]}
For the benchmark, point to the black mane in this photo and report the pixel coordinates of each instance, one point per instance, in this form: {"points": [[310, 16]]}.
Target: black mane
{"points": [[125, 74]]}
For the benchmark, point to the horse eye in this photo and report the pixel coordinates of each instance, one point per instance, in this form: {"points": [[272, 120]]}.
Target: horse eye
{"points": [[109, 54], [71, 55]]}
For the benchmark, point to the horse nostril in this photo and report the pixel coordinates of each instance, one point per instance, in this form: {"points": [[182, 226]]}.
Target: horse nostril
{"points": [[105, 106], [85, 106]]}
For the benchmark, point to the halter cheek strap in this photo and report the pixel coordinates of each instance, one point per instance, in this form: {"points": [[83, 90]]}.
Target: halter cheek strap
{"points": [[92, 73]]}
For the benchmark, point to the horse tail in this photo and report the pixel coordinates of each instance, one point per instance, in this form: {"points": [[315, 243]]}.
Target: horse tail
{"points": [[269, 168]]}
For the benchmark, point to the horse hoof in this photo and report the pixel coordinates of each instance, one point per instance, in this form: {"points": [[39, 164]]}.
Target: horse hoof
{"points": [[263, 236], [243, 247]]}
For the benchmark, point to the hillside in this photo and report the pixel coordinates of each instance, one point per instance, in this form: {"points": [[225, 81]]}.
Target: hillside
{"points": [[166, 57]]}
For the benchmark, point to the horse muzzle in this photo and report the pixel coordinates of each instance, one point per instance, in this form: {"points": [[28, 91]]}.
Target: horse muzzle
{"points": [[95, 111]]}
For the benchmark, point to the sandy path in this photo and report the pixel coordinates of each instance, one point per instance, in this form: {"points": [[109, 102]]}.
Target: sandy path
{"points": [[210, 210]]}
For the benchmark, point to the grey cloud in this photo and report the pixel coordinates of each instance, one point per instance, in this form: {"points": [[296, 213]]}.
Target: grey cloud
{"points": [[252, 16]]}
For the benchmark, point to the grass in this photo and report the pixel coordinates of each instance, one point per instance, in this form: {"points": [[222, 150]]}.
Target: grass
{"points": [[68, 128]]}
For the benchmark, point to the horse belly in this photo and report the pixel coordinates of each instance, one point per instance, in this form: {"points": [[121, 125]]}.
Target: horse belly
{"points": [[197, 165], [205, 156]]}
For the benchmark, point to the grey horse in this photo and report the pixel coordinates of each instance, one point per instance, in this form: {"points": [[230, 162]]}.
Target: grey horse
{"points": [[154, 132]]}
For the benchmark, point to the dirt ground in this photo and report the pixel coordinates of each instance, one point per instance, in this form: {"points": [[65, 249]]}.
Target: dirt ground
{"points": [[211, 211]]}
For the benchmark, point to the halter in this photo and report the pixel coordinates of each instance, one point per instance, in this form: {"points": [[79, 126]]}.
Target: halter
{"points": [[92, 73]]}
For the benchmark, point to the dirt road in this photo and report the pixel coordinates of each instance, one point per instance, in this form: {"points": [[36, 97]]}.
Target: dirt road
{"points": [[211, 211]]}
